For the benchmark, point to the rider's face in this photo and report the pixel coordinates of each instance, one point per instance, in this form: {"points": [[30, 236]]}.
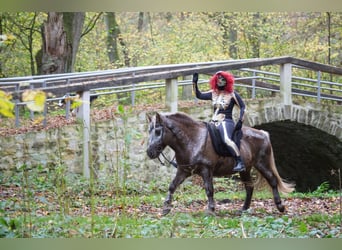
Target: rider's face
{"points": [[221, 81]]}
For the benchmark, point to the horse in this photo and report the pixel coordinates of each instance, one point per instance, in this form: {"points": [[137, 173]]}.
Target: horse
{"points": [[195, 154]]}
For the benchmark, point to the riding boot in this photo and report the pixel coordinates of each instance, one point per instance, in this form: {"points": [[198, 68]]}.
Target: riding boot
{"points": [[240, 166]]}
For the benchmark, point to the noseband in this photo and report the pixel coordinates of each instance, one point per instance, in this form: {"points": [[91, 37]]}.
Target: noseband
{"points": [[159, 149]]}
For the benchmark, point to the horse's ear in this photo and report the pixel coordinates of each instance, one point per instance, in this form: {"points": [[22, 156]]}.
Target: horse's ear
{"points": [[149, 118], [159, 118]]}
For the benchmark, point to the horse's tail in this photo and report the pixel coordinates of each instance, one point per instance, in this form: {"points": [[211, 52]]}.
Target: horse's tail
{"points": [[283, 186]]}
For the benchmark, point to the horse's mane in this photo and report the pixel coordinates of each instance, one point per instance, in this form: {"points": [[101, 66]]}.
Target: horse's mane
{"points": [[183, 126], [182, 118]]}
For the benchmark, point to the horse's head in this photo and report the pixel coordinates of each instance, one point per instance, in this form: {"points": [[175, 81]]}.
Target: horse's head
{"points": [[156, 132]]}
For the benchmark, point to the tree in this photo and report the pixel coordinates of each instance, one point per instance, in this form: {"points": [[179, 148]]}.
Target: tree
{"points": [[24, 26], [229, 28], [18, 31], [113, 38], [61, 34]]}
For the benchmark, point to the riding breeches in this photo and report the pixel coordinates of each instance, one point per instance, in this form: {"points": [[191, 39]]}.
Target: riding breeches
{"points": [[226, 131]]}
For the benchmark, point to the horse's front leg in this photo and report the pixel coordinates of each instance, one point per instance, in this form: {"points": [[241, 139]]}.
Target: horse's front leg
{"points": [[207, 176], [179, 178]]}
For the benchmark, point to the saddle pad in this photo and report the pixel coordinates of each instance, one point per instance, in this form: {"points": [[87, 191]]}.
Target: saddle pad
{"points": [[221, 148]]}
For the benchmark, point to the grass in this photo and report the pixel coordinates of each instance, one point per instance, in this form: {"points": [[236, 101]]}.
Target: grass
{"points": [[50, 203]]}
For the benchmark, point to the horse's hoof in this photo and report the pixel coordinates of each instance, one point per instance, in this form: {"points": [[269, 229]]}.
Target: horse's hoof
{"points": [[166, 210], [281, 208], [210, 212], [240, 212]]}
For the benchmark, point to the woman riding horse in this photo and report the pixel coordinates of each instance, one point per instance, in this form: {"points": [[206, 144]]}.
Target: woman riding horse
{"points": [[224, 98]]}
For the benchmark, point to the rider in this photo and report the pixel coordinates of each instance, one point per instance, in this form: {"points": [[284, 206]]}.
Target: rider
{"points": [[224, 98]]}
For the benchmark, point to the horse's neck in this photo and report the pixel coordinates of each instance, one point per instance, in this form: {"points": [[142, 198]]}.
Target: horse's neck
{"points": [[188, 147]]}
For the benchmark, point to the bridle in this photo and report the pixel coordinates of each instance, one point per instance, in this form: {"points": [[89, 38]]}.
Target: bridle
{"points": [[172, 161]]}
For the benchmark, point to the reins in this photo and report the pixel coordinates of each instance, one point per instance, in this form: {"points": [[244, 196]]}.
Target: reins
{"points": [[172, 162]]}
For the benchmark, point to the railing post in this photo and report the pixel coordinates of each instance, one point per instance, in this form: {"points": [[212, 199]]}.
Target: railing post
{"points": [[83, 113], [318, 86], [16, 107], [133, 95], [187, 89], [31, 111], [45, 110], [171, 94], [285, 83], [253, 85]]}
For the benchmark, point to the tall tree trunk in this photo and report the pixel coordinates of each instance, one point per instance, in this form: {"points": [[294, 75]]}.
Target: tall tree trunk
{"points": [[30, 42], [113, 32], [253, 36], [113, 38], [61, 36], [227, 23], [1, 74], [329, 36], [73, 25], [141, 21], [233, 52]]}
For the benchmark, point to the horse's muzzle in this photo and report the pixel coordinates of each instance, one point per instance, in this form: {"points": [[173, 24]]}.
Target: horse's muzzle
{"points": [[154, 152]]}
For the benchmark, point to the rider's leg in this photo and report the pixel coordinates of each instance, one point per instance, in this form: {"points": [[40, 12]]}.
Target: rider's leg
{"points": [[228, 128]]}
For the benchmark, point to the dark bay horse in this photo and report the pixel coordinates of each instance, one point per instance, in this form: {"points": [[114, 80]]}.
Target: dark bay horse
{"points": [[195, 154]]}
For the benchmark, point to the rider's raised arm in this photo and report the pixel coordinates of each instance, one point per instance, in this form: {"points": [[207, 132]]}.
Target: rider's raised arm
{"points": [[200, 95]]}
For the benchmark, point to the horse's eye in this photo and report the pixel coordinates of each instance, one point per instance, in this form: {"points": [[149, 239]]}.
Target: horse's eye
{"points": [[157, 132]]}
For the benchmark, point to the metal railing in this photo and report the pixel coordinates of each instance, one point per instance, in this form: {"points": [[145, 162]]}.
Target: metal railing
{"points": [[149, 77], [248, 74]]}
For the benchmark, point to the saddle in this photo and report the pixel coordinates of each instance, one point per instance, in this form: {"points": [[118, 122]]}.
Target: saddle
{"points": [[221, 148]]}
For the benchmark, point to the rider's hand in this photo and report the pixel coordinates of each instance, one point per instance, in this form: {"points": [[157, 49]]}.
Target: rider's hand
{"points": [[195, 78], [238, 125]]}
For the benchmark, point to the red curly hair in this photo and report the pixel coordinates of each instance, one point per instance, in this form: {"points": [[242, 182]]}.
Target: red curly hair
{"points": [[229, 78]]}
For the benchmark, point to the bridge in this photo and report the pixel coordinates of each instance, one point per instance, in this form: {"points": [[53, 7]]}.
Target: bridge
{"points": [[300, 91]]}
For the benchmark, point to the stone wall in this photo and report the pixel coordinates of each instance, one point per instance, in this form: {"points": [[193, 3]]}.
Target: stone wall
{"points": [[324, 117], [113, 139]]}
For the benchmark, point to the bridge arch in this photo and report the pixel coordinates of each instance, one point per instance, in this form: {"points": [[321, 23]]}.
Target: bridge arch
{"points": [[324, 117], [306, 139]]}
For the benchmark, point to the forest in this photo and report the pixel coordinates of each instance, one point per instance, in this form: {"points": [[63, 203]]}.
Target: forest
{"points": [[34, 43], [51, 202]]}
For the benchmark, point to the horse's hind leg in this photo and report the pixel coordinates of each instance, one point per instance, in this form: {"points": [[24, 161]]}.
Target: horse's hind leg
{"points": [[247, 181], [179, 178], [273, 182]]}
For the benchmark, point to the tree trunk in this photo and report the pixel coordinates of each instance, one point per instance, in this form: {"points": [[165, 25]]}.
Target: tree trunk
{"points": [[253, 36], [113, 37], [141, 21], [1, 74], [73, 24], [61, 36], [113, 32]]}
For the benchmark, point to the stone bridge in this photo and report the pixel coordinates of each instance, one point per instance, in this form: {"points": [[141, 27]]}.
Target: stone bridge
{"points": [[327, 118], [306, 137]]}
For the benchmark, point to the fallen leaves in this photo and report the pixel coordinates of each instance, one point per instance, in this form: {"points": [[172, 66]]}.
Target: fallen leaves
{"points": [[47, 202]]}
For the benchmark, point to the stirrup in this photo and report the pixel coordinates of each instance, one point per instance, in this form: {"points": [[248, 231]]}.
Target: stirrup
{"points": [[174, 163]]}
